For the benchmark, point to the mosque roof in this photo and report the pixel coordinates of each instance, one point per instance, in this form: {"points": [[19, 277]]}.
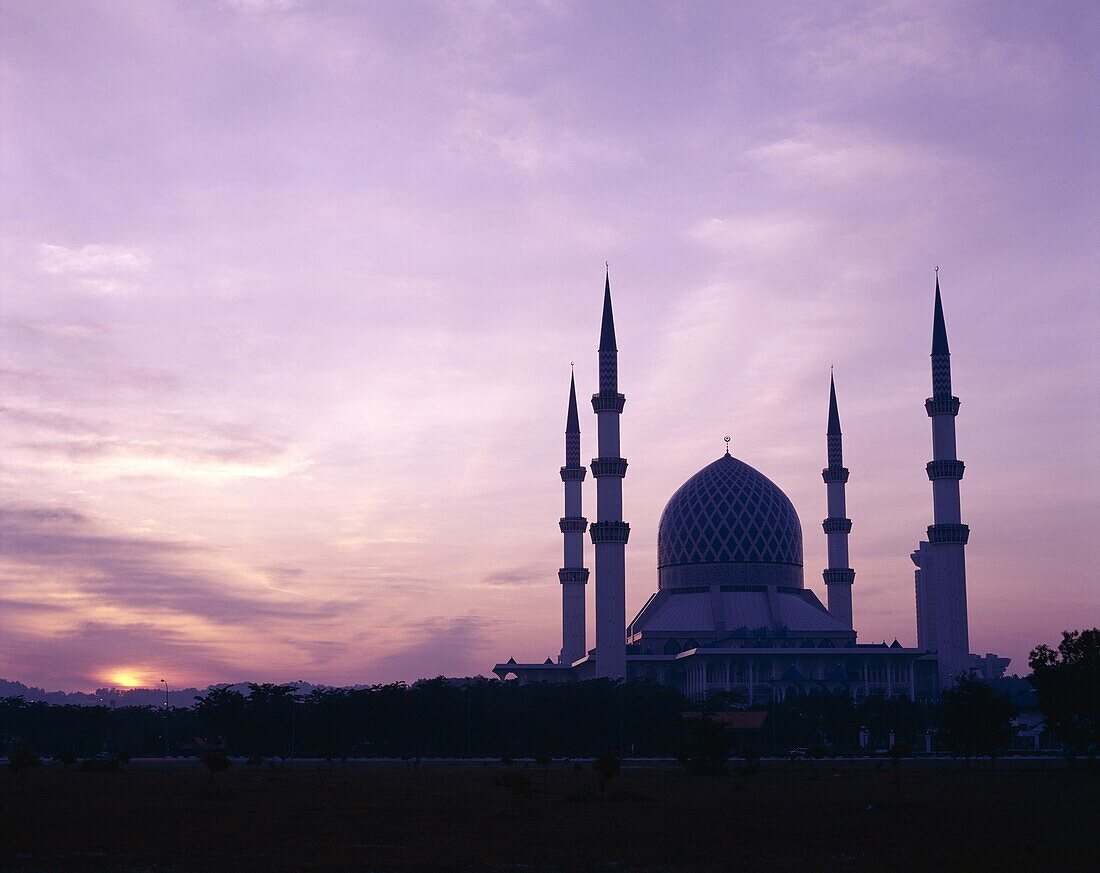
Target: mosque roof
{"points": [[729, 513], [693, 612]]}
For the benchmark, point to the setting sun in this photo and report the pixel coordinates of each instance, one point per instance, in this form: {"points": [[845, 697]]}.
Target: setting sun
{"points": [[126, 679]]}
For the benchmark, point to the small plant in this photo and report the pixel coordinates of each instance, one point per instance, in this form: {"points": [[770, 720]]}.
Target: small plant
{"points": [[99, 765], [607, 768], [751, 766], [66, 757], [216, 762], [899, 751], [518, 784]]}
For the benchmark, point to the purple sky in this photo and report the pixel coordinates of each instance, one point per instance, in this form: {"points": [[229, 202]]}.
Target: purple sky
{"points": [[290, 291]]}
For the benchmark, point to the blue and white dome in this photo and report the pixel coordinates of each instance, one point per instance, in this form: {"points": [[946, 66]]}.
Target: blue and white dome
{"points": [[729, 524]]}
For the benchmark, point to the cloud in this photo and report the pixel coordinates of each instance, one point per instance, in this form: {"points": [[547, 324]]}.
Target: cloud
{"points": [[463, 643], [527, 574], [87, 653], [170, 446], [523, 135], [887, 45], [91, 259], [753, 235], [830, 154], [98, 269], [94, 569]]}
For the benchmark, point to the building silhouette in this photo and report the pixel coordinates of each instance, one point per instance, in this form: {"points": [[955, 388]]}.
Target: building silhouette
{"points": [[731, 611]]}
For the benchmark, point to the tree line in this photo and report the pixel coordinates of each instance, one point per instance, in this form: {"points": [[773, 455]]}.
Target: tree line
{"points": [[485, 718]]}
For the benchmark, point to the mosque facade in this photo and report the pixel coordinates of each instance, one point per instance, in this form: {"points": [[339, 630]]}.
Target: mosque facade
{"points": [[731, 612]]}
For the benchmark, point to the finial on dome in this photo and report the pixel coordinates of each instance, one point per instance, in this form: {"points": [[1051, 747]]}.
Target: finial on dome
{"points": [[727, 447]]}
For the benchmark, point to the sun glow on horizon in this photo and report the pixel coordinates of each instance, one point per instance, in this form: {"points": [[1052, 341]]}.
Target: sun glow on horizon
{"points": [[127, 678]]}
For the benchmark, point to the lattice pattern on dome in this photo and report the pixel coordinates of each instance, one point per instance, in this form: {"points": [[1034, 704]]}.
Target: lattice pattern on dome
{"points": [[729, 513]]}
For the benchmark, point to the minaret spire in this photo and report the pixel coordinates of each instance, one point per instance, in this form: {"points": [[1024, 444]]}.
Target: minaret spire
{"points": [[941, 352], [941, 577], [834, 413], [573, 576], [610, 532], [939, 326], [839, 576], [572, 420], [609, 368]]}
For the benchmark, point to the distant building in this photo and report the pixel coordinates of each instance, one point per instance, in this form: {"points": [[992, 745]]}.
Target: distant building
{"points": [[731, 612]]}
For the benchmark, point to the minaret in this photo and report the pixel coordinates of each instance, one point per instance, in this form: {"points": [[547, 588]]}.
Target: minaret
{"points": [[941, 579], [839, 576], [573, 575], [609, 532]]}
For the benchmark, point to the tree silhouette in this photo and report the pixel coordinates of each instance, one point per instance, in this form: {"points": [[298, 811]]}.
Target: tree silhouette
{"points": [[975, 718], [1068, 683]]}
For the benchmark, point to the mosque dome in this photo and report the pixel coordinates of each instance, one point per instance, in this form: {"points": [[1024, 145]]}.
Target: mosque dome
{"points": [[729, 524]]}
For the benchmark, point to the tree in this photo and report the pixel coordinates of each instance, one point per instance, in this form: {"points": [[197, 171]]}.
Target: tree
{"points": [[711, 747], [975, 719], [1068, 683]]}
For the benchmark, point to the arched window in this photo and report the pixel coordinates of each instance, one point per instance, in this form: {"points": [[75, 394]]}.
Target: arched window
{"points": [[672, 647]]}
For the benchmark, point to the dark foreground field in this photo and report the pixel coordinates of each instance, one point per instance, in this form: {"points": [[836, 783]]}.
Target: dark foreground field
{"points": [[467, 817]]}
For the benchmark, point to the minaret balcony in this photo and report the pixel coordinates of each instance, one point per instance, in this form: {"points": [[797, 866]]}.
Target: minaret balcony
{"points": [[567, 575], [608, 401], [948, 469], [835, 474], [839, 576], [573, 473], [942, 405], [610, 532], [948, 533], [837, 525], [609, 467], [573, 524]]}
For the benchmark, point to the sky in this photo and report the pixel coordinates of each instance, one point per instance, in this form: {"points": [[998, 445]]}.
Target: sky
{"points": [[289, 293]]}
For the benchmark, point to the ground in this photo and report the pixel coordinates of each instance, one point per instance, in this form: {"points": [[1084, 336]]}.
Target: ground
{"points": [[441, 817]]}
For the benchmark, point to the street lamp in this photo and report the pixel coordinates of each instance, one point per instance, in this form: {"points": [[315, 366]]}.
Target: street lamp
{"points": [[165, 717]]}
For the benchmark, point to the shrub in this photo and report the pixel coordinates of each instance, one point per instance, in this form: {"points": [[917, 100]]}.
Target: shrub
{"points": [[216, 762], [607, 767], [23, 759]]}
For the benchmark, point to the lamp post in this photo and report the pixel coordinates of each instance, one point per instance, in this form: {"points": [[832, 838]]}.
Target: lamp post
{"points": [[165, 683]]}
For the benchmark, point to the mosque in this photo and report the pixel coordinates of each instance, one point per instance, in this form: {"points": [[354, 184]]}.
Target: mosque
{"points": [[731, 612]]}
